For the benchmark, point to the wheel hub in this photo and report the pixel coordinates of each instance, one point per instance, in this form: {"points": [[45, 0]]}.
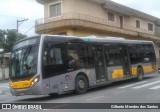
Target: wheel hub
{"points": [[81, 84]]}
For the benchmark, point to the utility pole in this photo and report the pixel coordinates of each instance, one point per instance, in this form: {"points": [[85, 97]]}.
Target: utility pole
{"points": [[2, 69], [19, 22]]}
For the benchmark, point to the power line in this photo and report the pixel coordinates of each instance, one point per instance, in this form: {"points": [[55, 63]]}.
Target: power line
{"points": [[19, 22], [29, 30], [123, 1], [27, 33]]}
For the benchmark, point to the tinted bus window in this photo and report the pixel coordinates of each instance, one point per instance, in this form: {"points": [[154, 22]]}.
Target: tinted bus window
{"points": [[112, 55], [76, 55], [141, 53], [148, 53], [90, 56], [53, 60], [136, 55]]}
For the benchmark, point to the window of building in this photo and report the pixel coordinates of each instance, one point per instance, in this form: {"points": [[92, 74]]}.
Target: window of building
{"points": [[111, 16], [137, 24], [55, 10], [150, 26]]}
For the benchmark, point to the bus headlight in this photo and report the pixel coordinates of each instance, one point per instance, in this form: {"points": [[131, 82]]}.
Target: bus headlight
{"points": [[34, 81], [10, 83]]}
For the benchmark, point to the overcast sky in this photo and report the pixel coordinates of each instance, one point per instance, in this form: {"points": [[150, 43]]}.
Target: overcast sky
{"points": [[13, 10]]}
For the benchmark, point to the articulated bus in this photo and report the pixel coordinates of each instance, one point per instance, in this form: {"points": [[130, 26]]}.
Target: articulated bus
{"points": [[52, 64]]}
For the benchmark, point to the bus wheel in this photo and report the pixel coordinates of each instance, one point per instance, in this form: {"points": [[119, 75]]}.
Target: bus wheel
{"points": [[140, 73], [81, 84]]}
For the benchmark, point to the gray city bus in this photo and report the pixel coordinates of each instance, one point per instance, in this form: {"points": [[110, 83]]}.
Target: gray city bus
{"points": [[52, 64]]}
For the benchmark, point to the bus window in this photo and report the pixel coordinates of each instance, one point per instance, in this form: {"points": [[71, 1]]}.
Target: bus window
{"points": [[53, 60], [55, 56], [112, 55], [76, 55], [135, 52], [152, 53], [148, 53], [90, 56]]}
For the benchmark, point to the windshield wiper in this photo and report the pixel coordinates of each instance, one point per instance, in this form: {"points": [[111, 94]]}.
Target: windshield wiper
{"points": [[33, 60], [26, 53]]}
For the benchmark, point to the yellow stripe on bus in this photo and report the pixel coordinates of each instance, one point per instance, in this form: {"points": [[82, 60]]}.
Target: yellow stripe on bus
{"points": [[21, 84], [117, 73], [149, 68], [134, 71]]}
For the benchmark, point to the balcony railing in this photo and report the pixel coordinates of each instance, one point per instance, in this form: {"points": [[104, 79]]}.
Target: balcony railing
{"points": [[88, 18]]}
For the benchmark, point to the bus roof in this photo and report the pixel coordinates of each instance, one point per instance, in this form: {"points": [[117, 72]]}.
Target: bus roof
{"points": [[94, 39], [27, 38], [113, 40], [90, 39]]}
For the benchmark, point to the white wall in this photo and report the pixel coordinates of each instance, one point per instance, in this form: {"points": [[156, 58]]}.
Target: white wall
{"points": [[5, 71], [78, 6]]}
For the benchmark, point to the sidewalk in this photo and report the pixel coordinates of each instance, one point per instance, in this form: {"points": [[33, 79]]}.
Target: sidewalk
{"points": [[4, 81], [4, 87]]}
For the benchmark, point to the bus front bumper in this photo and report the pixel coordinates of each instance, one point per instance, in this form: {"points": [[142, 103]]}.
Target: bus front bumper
{"points": [[35, 90]]}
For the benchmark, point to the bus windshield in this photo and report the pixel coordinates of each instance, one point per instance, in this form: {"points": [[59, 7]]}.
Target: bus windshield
{"points": [[24, 61]]}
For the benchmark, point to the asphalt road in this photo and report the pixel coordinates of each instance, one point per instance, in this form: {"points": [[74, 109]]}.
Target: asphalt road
{"points": [[130, 91]]}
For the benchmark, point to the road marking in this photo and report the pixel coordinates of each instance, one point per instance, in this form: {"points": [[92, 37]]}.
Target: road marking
{"points": [[119, 92], [156, 87], [133, 84], [94, 98], [145, 85]]}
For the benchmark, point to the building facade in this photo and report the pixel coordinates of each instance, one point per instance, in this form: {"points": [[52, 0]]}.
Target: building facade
{"points": [[4, 66], [97, 17]]}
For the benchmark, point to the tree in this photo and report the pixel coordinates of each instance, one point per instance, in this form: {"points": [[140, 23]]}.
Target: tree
{"points": [[8, 38], [2, 33]]}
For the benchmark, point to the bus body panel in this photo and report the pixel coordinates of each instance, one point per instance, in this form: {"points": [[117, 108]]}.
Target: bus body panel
{"points": [[115, 73], [35, 90], [66, 82], [101, 72]]}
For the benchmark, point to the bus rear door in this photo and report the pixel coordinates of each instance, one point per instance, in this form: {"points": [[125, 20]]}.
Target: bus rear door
{"points": [[125, 61], [97, 52]]}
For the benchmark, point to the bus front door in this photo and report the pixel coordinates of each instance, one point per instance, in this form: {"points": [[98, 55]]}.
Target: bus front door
{"points": [[99, 63], [126, 61]]}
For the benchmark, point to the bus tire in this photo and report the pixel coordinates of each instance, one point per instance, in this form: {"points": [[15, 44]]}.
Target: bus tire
{"points": [[140, 73], [81, 84]]}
